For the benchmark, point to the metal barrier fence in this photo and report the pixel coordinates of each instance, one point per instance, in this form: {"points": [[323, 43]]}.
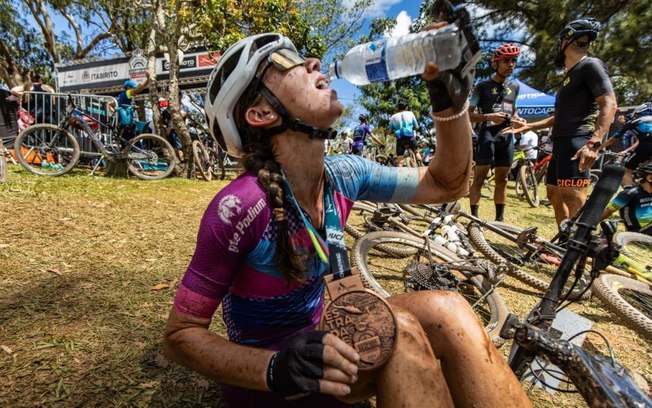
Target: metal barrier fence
{"points": [[51, 108]]}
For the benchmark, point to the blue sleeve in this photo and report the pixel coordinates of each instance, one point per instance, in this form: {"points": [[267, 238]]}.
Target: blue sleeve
{"points": [[361, 179], [622, 199]]}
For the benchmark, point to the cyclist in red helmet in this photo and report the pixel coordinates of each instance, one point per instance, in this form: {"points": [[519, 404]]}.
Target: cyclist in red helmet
{"points": [[585, 106], [493, 105]]}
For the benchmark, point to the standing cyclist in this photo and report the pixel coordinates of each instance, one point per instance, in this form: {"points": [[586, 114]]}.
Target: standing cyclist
{"points": [[264, 241], [403, 124], [585, 106], [495, 102], [360, 133], [641, 128]]}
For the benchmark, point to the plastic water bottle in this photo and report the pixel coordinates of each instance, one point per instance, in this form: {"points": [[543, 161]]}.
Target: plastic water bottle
{"points": [[393, 58]]}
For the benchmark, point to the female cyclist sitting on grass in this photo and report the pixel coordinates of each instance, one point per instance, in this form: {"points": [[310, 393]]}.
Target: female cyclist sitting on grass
{"points": [[267, 240]]}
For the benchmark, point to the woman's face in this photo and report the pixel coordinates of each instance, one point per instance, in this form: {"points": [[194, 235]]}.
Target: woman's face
{"points": [[305, 93]]}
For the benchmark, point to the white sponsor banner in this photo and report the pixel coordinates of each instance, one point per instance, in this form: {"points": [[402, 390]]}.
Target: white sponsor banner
{"points": [[116, 71]]}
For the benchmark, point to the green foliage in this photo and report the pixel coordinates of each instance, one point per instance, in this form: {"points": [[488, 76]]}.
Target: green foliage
{"points": [[21, 47]]}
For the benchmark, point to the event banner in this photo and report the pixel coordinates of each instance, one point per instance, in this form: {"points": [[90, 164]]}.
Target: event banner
{"points": [[88, 75]]}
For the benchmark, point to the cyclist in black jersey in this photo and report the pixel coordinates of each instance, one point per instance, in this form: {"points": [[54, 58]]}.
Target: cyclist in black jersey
{"points": [[641, 126], [585, 106], [493, 104], [635, 203]]}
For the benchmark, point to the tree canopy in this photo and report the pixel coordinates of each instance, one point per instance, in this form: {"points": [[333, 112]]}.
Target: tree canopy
{"points": [[624, 45]]}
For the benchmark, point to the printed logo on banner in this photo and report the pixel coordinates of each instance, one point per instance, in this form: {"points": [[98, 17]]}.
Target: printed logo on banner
{"points": [[208, 60], [137, 64], [86, 76], [187, 63]]}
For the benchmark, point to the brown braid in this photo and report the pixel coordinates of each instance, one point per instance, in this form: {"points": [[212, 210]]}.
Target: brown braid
{"points": [[259, 159]]}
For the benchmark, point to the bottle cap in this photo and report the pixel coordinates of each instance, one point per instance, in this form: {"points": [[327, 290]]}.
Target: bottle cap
{"points": [[332, 71]]}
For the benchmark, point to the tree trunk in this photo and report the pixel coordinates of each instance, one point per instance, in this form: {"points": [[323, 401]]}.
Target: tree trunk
{"points": [[117, 168]]}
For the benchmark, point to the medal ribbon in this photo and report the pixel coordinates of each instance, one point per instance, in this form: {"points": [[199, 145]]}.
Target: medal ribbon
{"points": [[332, 251]]}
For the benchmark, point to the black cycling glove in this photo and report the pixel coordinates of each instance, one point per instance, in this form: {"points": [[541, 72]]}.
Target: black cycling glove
{"points": [[295, 371], [452, 87]]}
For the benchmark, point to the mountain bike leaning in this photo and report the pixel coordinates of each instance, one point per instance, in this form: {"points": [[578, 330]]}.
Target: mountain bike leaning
{"points": [[601, 381], [53, 150]]}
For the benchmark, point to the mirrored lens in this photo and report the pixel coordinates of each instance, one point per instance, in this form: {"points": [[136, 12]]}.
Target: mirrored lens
{"points": [[285, 59]]}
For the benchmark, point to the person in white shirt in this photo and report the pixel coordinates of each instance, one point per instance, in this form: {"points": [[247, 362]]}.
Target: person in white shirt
{"points": [[527, 143]]}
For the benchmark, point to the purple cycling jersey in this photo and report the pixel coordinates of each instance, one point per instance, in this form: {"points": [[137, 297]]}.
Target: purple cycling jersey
{"points": [[233, 264]]}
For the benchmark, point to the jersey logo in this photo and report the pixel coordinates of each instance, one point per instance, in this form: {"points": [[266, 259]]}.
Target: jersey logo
{"points": [[566, 81], [494, 91], [228, 207]]}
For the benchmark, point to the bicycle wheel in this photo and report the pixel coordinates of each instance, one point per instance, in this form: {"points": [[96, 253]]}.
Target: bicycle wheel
{"points": [[636, 253], [382, 160], [518, 187], [47, 150], [529, 185], [390, 275], [629, 299], [3, 166], [202, 160], [217, 164], [150, 157], [499, 249], [409, 159]]}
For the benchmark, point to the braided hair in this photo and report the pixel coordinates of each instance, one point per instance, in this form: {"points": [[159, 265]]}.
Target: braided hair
{"points": [[258, 158]]}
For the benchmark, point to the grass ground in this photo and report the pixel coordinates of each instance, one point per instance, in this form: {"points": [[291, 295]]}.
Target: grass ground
{"points": [[88, 270]]}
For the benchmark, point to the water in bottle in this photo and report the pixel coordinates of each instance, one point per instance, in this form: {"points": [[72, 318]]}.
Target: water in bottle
{"points": [[393, 58]]}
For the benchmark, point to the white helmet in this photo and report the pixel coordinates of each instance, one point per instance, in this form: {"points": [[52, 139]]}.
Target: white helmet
{"points": [[234, 74], [230, 78]]}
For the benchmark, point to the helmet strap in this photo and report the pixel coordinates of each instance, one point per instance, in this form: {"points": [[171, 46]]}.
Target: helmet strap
{"points": [[292, 124]]}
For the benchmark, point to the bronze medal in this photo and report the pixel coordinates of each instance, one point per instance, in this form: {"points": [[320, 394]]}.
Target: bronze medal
{"points": [[361, 318]]}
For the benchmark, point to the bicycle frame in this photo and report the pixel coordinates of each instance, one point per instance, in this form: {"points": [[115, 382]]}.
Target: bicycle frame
{"points": [[601, 382], [80, 116]]}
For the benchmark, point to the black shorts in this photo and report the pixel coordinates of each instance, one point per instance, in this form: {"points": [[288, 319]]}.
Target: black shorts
{"points": [[357, 150], [562, 171], [494, 148], [642, 153], [403, 143]]}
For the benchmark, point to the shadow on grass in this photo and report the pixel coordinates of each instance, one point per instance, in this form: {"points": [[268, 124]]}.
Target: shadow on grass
{"points": [[86, 340], [177, 386]]}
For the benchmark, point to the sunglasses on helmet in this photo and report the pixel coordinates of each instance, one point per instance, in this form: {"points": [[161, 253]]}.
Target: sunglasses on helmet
{"points": [[285, 59], [582, 44], [282, 59]]}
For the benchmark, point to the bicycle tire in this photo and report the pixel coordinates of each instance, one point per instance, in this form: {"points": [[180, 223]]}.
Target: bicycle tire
{"points": [[150, 157], [518, 186], [410, 159], [636, 251], [356, 230], [3, 168], [520, 260], [47, 150], [527, 180], [202, 161], [489, 306], [217, 165], [488, 249], [629, 299], [369, 222]]}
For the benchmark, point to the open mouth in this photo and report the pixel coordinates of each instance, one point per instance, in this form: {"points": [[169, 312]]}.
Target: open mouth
{"points": [[322, 83]]}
